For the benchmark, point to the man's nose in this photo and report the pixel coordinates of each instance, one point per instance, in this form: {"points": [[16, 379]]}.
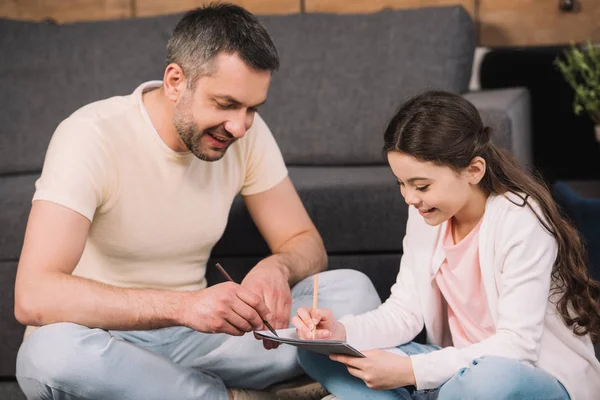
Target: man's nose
{"points": [[237, 125], [237, 130]]}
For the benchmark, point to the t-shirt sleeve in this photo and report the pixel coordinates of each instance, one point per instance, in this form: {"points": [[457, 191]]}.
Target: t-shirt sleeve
{"points": [[76, 172], [265, 167]]}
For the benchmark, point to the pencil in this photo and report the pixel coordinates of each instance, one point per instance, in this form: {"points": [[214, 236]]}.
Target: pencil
{"points": [[226, 276], [315, 298], [315, 291]]}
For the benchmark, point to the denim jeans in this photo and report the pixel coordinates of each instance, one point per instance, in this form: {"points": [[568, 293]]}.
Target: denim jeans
{"points": [[486, 378], [69, 361]]}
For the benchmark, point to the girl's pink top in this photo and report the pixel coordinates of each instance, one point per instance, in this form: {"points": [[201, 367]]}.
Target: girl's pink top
{"points": [[459, 280]]}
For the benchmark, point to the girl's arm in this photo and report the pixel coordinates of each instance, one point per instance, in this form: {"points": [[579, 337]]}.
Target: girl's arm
{"points": [[528, 253], [399, 319]]}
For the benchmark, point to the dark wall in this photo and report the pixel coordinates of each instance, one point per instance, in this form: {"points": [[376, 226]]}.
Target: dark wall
{"points": [[564, 147]]}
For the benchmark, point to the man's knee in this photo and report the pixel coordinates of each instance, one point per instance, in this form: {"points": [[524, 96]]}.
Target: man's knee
{"points": [[350, 279], [58, 354], [485, 378], [355, 283]]}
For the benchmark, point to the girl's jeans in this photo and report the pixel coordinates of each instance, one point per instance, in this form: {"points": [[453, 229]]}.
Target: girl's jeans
{"points": [[486, 378]]}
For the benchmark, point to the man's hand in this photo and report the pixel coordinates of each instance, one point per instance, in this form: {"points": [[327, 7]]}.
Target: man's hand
{"points": [[224, 308], [380, 370], [270, 281]]}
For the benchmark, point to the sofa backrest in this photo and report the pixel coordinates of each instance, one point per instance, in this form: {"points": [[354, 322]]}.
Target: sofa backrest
{"points": [[49, 71], [342, 76]]}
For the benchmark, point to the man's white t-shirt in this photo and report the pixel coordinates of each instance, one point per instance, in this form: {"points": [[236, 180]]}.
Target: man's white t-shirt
{"points": [[156, 214]]}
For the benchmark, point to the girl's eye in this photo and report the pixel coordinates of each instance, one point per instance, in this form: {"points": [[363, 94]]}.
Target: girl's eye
{"points": [[422, 188]]}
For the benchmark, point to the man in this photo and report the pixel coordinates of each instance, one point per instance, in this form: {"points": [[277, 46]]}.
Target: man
{"points": [[134, 193]]}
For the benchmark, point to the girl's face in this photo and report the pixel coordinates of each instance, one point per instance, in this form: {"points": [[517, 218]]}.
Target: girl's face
{"points": [[438, 192]]}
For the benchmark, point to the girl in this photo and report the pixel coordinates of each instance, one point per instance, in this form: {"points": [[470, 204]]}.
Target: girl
{"points": [[490, 268]]}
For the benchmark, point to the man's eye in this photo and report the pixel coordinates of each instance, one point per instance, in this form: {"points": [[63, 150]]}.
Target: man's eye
{"points": [[224, 106], [422, 188]]}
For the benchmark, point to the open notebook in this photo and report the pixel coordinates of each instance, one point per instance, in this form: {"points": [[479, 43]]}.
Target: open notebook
{"points": [[289, 336]]}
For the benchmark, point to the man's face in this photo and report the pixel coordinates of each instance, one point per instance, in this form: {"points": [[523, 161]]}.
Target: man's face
{"points": [[221, 107]]}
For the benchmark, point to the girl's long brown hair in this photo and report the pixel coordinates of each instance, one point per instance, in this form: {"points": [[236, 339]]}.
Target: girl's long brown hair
{"points": [[446, 129]]}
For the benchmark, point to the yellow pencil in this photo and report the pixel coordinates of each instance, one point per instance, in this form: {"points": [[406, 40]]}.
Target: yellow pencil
{"points": [[315, 298]]}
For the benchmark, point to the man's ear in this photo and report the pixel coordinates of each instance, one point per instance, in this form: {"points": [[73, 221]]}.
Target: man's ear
{"points": [[174, 82], [476, 170]]}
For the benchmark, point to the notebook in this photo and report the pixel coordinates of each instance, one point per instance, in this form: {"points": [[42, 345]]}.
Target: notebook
{"points": [[289, 336]]}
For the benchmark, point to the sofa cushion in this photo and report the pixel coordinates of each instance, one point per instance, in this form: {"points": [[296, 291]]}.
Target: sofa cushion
{"points": [[357, 210], [317, 116], [11, 332], [16, 193], [343, 202], [343, 76], [9, 390]]}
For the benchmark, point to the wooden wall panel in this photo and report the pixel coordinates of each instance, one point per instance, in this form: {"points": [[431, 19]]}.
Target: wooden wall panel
{"points": [[158, 7], [360, 6], [536, 22], [65, 10], [501, 22]]}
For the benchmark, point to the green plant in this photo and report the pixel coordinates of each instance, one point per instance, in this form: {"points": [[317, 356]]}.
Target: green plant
{"points": [[580, 66]]}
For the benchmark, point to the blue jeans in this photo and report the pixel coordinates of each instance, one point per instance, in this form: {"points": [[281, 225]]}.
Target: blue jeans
{"points": [[487, 378], [69, 361]]}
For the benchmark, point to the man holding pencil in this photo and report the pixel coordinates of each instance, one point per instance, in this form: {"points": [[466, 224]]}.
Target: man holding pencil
{"points": [[134, 193]]}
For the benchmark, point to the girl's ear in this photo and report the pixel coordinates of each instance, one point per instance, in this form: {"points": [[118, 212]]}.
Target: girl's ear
{"points": [[476, 170]]}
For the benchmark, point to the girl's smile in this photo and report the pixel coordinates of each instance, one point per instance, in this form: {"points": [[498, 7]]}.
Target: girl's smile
{"points": [[427, 212], [439, 192]]}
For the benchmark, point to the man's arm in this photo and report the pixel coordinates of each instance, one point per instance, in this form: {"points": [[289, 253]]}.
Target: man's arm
{"points": [[46, 292], [283, 222], [296, 245]]}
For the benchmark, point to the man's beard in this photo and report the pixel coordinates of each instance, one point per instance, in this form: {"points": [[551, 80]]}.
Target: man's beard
{"points": [[191, 136]]}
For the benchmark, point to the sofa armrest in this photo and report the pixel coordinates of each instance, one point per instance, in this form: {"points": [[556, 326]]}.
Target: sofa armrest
{"points": [[515, 105]]}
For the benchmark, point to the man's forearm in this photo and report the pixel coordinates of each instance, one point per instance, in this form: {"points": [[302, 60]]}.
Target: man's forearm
{"points": [[301, 256], [59, 297]]}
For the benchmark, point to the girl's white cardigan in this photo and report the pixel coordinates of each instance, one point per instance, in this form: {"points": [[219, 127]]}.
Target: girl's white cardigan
{"points": [[516, 254]]}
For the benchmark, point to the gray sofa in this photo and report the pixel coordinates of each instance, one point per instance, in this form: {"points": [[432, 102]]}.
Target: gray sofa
{"points": [[341, 79]]}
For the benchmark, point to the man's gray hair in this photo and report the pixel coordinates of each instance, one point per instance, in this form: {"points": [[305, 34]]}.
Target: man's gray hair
{"points": [[220, 27]]}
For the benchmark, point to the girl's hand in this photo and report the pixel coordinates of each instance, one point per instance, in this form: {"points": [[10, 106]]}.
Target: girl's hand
{"points": [[318, 324], [380, 370]]}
